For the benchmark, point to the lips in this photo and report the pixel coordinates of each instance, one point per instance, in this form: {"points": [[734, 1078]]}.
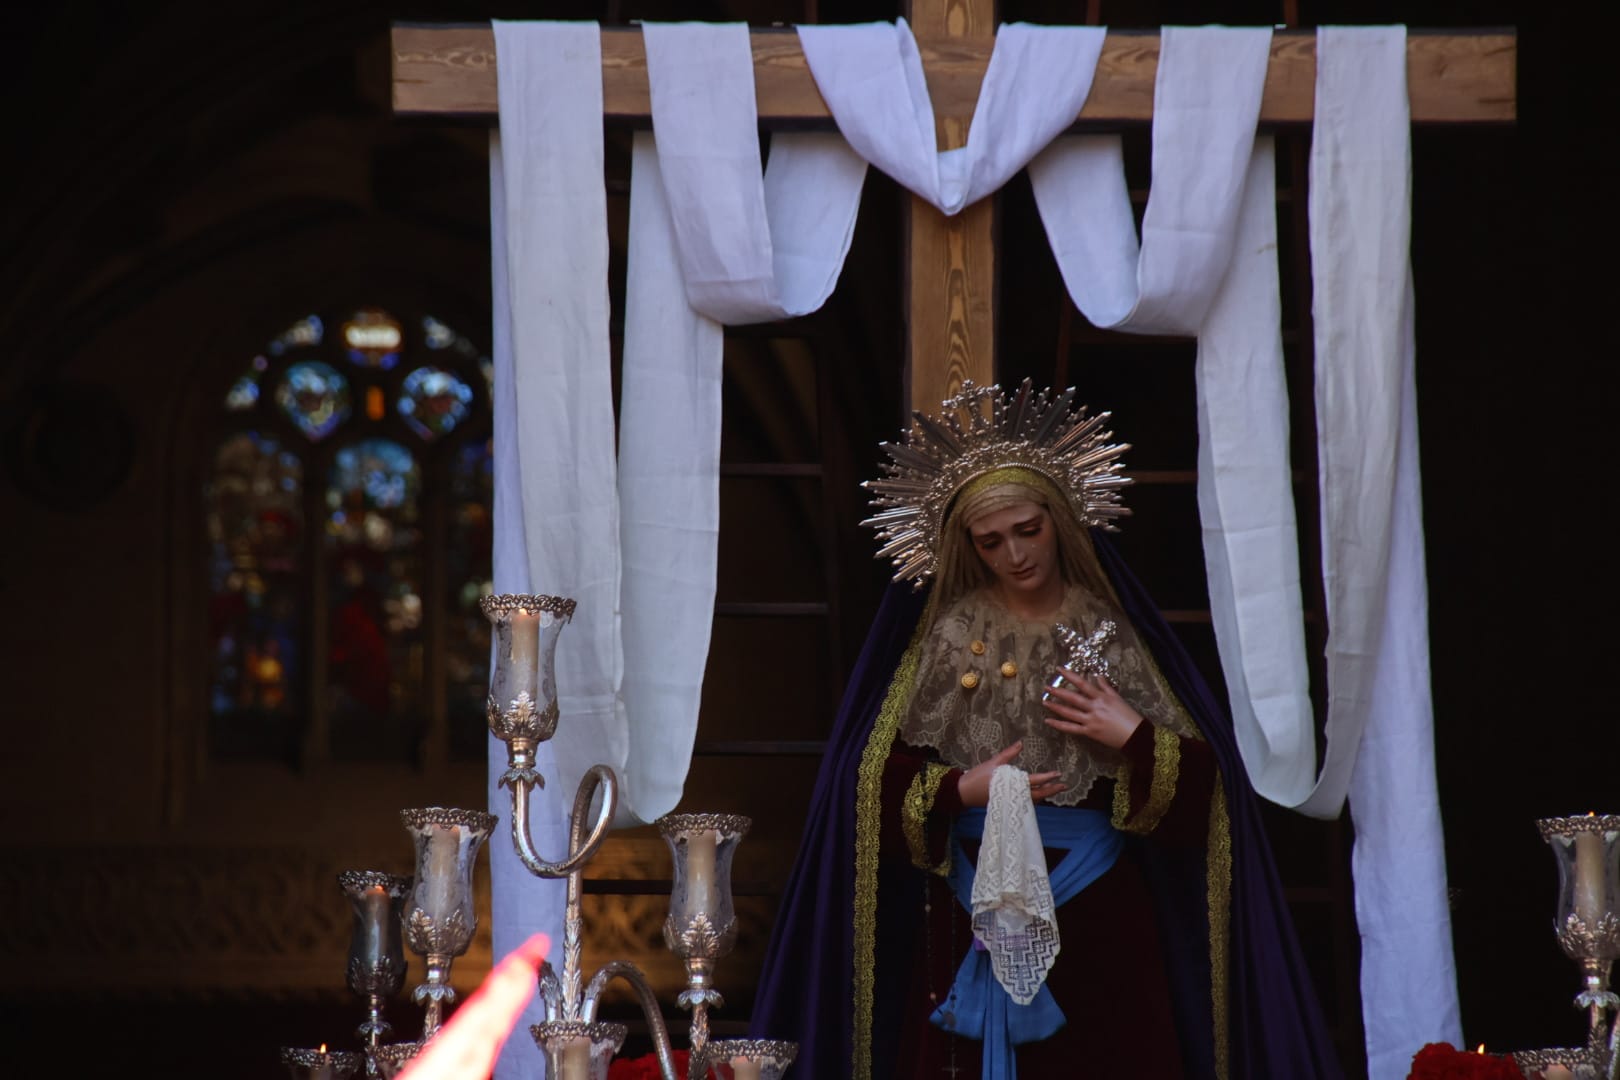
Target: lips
{"points": [[1026, 572]]}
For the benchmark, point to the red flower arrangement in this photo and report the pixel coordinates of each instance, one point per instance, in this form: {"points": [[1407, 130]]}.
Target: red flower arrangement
{"points": [[1442, 1061], [646, 1068]]}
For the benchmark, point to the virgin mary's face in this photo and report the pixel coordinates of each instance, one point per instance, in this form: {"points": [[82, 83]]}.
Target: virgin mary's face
{"points": [[1019, 545]]}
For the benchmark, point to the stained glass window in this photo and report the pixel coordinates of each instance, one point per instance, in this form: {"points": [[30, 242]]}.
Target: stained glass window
{"points": [[244, 392], [374, 537], [255, 529], [348, 521], [433, 401], [373, 338], [307, 331], [314, 397], [472, 488]]}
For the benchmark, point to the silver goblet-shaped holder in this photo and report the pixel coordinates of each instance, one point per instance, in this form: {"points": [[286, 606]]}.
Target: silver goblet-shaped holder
{"points": [[440, 916], [1588, 926], [376, 970], [522, 712]]}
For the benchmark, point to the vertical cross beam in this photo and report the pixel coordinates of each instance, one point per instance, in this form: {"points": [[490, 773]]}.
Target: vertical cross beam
{"points": [[950, 263]]}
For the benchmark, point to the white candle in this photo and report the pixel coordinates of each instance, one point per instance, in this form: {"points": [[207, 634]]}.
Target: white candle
{"points": [[1590, 894], [524, 659], [440, 874], [743, 1069], [576, 1060], [1558, 1072], [700, 853]]}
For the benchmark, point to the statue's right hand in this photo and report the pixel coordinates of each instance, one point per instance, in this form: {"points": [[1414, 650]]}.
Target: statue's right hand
{"points": [[973, 788]]}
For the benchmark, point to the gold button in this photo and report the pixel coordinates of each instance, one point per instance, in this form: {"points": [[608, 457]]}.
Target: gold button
{"points": [[977, 648], [969, 680], [1009, 669]]}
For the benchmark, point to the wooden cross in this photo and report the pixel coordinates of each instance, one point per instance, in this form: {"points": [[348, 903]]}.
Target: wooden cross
{"points": [[1452, 78]]}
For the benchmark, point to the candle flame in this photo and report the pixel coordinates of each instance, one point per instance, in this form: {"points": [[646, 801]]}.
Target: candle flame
{"points": [[322, 1050], [1481, 1049]]}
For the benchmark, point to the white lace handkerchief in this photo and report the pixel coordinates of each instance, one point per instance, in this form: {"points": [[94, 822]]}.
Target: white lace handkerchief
{"points": [[1013, 913]]}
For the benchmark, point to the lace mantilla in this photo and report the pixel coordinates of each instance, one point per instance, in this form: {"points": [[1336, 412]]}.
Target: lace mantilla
{"points": [[1013, 912], [968, 724]]}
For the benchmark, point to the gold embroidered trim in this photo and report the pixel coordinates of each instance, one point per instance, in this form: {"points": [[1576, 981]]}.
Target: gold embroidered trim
{"points": [[1218, 869], [868, 822], [1122, 795], [1162, 789], [914, 813]]}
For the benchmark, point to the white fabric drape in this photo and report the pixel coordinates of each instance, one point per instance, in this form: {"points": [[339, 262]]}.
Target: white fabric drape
{"points": [[520, 905], [669, 496], [711, 242], [1206, 265], [1373, 562], [751, 248], [871, 77], [554, 435]]}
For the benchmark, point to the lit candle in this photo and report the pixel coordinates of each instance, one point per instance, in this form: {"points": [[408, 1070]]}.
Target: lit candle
{"points": [[1590, 894], [744, 1069], [524, 659], [700, 854], [1557, 1072], [576, 1060]]}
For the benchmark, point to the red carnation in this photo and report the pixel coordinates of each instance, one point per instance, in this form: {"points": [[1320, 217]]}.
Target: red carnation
{"points": [[646, 1068], [1442, 1061]]}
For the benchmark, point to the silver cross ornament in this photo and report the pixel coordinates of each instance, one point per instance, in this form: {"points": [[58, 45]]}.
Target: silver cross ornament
{"points": [[1084, 653]]}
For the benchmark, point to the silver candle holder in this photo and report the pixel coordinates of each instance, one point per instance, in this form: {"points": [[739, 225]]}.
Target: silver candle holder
{"points": [[376, 970], [440, 916], [743, 1059], [1587, 927], [392, 1058], [322, 1064], [701, 927], [1583, 1063], [576, 1050]]}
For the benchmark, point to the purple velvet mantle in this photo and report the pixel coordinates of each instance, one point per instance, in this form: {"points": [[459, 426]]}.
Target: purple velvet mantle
{"points": [[1276, 1027]]}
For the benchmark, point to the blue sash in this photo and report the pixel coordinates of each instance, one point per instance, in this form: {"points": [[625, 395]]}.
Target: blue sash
{"points": [[977, 1007]]}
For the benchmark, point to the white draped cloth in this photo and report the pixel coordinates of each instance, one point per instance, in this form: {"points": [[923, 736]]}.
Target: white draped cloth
{"points": [[715, 241], [1372, 526]]}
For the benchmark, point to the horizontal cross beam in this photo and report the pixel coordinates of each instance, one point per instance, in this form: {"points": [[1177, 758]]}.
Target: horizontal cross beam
{"points": [[1452, 78]]}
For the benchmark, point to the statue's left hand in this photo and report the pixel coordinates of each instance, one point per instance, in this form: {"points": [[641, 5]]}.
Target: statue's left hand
{"points": [[1093, 708]]}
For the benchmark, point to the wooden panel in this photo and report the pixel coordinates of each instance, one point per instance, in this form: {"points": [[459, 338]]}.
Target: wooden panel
{"points": [[1453, 77], [951, 262], [950, 287]]}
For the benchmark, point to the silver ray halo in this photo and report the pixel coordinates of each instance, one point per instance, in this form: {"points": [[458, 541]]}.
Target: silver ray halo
{"points": [[981, 429]]}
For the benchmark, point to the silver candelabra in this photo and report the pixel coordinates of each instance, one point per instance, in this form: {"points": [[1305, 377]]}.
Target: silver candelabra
{"points": [[434, 912], [702, 924]]}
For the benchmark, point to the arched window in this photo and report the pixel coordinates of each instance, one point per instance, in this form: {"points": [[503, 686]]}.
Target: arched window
{"points": [[348, 541]]}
